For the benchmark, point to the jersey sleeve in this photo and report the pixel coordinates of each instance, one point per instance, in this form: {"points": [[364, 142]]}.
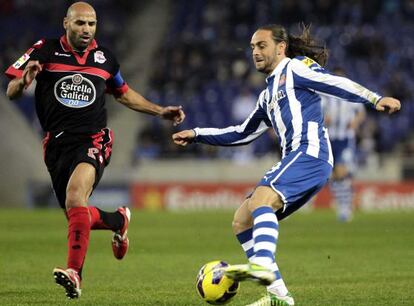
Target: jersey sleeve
{"points": [[38, 52], [254, 126], [308, 74], [116, 85]]}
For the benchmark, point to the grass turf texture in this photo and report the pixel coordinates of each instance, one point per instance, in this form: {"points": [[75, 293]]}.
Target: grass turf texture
{"points": [[367, 262]]}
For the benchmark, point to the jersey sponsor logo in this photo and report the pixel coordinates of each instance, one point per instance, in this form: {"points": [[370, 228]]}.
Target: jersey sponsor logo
{"points": [[308, 61], [99, 57], [62, 54], [312, 64], [75, 91], [276, 98]]}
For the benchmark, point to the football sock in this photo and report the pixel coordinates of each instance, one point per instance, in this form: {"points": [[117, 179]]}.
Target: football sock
{"points": [[278, 287], [246, 241], [343, 193], [265, 234], [78, 236], [105, 220]]}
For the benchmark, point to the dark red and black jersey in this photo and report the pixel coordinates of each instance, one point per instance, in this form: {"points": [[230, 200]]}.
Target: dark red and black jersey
{"points": [[70, 89]]}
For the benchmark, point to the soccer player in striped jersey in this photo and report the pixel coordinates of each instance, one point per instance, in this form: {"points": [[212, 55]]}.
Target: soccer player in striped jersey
{"points": [[342, 120], [291, 105]]}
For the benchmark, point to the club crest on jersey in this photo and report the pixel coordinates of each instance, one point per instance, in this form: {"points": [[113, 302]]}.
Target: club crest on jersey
{"points": [[282, 79], [99, 57], [75, 91]]}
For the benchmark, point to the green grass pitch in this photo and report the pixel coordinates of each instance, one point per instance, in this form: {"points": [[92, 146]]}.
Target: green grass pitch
{"points": [[367, 262]]}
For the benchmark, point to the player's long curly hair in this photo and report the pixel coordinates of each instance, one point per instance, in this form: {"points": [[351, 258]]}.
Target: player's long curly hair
{"points": [[302, 45]]}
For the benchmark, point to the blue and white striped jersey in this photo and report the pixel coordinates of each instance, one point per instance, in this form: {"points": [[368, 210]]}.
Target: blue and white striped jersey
{"points": [[292, 106], [340, 116]]}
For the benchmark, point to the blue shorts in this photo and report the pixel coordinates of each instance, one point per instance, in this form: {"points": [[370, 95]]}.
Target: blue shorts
{"points": [[344, 153], [296, 178]]}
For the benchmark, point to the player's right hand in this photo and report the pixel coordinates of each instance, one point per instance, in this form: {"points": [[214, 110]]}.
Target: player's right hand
{"points": [[184, 137], [30, 71], [388, 103]]}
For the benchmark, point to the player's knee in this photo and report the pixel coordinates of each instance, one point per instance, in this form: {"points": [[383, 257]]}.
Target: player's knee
{"points": [[74, 197], [239, 225], [340, 172], [265, 196]]}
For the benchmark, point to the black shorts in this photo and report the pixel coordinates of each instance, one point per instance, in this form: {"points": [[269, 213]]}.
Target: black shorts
{"points": [[64, 151]]}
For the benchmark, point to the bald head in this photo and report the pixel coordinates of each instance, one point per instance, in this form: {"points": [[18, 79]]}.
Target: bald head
{"points": [[80, 8], [80, 25]]}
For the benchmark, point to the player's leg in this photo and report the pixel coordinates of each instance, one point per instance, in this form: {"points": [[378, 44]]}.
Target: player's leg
{"points": [[243, 229], [79, 188], [341, 186], [341, 180], [99, 153], [263, 228], [104, 220], [118, 222], [259, 242], [283, 190], [262, 205]]}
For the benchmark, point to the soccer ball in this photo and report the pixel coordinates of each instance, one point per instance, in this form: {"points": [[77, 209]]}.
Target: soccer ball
{"points": [[213, 285]]}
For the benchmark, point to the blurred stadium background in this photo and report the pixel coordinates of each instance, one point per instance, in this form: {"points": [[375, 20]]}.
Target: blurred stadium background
{"points": [[196, 54]]}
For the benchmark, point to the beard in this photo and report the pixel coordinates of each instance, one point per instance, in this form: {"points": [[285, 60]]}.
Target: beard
{"points": [[263, 69], [77, 42]]}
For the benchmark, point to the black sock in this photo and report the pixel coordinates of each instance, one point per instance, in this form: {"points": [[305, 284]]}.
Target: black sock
{"points": [[113, 220]]}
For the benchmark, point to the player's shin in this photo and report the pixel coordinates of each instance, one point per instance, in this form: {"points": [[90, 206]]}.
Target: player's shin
{"points": [[78, 236], [246, 241], [265, 235], [105, 220], [343, 192]]}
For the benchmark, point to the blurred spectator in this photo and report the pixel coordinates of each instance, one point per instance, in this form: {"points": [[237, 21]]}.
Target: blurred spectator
{"points": [[243, 105], [148, 146]]}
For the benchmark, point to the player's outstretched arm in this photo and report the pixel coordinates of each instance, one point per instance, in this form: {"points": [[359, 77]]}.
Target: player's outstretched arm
{"points": [[17, 85], [138, 103], [388, 103], [184, 137]]}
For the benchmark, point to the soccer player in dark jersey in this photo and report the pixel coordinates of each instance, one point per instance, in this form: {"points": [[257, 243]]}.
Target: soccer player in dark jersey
{"points": [[73, 74]]}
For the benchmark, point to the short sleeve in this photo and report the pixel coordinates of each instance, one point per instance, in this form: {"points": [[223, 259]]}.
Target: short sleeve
{"points": [[36, 52], [116, 85]]}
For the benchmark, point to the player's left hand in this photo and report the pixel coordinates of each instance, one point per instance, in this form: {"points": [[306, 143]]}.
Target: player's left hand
{"points": [[393, 105], [173, 113]]}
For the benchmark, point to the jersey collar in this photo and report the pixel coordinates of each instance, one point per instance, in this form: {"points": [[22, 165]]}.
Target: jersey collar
{"points": [[278, 69], [81, 59], [68, 48]]}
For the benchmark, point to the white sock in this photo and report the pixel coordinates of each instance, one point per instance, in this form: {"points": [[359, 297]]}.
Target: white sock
{"points": [[278, 287], [265, 234]]}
